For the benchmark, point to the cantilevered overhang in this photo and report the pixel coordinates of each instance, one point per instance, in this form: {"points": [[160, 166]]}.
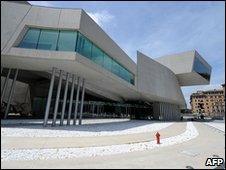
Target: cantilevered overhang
{"points": [[189, 67], [16, 18], [99, 80]]}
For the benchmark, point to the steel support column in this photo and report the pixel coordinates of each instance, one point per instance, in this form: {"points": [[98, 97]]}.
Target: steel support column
{"points": [[82, 101], [76, 103], [93, 110], [57, 98], [11, 94], [5, 85], [49, 97], [71, 100], [64, 100]]}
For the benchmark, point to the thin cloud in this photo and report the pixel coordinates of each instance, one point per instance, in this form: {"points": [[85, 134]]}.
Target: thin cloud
{"points": [[101, 17]]}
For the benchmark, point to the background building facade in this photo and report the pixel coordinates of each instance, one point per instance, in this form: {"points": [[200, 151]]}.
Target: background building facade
{"points": [[210, 103]]}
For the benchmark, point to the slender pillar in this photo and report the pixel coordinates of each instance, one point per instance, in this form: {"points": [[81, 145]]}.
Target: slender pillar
{"points": [[165, 110], [49, 97], [1, 70], [11, 94], [93, 108], [76, 103], [64, 100], [25, 98], [57, 98], [5, 85], [82, 101], [71, 100]]}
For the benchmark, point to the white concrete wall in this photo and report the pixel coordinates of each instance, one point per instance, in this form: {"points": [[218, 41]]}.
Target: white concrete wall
{"points": [[157, 82], [178, 63], [42, 17], [11, 16]]}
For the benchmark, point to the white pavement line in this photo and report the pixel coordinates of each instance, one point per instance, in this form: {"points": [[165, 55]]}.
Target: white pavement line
{"points": [[65, 153], [218, 126], [113, 129]]}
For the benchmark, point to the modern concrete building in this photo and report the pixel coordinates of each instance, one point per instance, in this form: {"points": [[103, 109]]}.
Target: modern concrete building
{"points": [[74, 67], [210, 103]]}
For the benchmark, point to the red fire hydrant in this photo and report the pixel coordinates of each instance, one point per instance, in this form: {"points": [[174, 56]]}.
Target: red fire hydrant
{"points": [[157, 137]]}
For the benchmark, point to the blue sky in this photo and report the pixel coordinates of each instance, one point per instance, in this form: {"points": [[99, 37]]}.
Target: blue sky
{"points": [[161, 28]]}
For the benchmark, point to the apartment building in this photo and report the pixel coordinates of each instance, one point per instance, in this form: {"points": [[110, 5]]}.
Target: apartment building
{"points": [[210, 103]]}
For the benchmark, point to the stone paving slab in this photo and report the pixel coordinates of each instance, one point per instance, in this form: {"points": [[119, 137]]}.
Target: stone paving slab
{"points": [[63, 142]]}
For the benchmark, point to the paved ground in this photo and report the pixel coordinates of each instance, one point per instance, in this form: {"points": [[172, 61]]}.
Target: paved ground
{"points": [[194, 152], [218, 124], [56, 142]]}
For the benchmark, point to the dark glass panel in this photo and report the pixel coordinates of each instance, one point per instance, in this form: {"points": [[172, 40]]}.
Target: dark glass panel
{"points": [[201, 69]]}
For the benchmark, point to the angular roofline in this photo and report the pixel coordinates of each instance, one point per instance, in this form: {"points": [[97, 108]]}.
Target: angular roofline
{"points": [[174, 54], [155, 61], [56, 7], [20, 2]]}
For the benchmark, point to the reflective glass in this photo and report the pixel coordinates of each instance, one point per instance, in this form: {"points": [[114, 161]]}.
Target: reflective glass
{"points": [[84, 46], [115, 68], [201, 69], [97, 55], [30, 40], [131, 78], [124, 74], [107, 62], [67, 40], [48, 39]]}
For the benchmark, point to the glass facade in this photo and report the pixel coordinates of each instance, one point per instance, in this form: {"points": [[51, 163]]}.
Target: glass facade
{"points": [[97, 55], [65, 40], [30, 39], [84, 46], [201, 69], [48, 40]]}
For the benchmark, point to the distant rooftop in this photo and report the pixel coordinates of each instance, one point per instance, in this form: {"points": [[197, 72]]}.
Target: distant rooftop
{"points": [[198, 93]]}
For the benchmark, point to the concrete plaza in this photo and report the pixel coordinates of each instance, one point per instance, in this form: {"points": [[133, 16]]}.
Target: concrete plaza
{"points": [[210, 142]]}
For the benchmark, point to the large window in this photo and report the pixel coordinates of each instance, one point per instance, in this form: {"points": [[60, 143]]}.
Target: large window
{"points": [[107, 62], [48, 40], [97, 55], [201, 69], [30, 40], [84, 46], [66, 40], [115, 68]]}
